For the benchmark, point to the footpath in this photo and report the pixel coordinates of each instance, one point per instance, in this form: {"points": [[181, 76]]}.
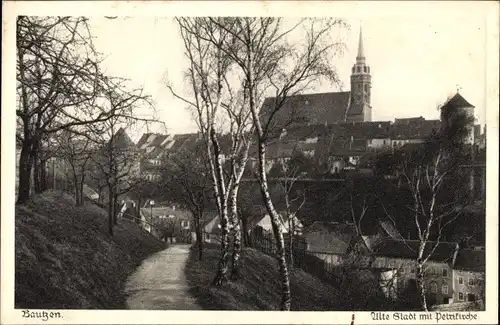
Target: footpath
{"points": [[159, 282]]}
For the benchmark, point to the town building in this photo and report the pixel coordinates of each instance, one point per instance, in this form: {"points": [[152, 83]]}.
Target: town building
{"points": [[469, 275], [169, 223], [397, 260]]}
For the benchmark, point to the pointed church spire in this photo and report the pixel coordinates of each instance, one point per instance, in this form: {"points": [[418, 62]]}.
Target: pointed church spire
{"points": [[361, 52]]}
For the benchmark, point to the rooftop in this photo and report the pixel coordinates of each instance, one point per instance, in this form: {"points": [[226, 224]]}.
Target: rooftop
{"points": [[317, 108], [471, 260], [444, 251]]}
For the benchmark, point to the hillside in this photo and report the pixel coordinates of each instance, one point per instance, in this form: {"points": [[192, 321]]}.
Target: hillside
{"points": [[66, 259], [259, 287]]}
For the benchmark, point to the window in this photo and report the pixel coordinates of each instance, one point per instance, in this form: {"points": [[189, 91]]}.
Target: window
{"points": [[460, 296], [444, 289], [358, 69], [445, 272], [365, 69], [366, 87], [460, 280], [434, 287], [185, 224], [471, 281]]}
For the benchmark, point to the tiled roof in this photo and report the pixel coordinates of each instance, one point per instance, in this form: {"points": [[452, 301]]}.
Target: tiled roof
{"points": [[408, 120], [184, 141], [390, 229], [143, 139], [415, 129], [122, 140], [342, 147], [444, 251], [158, 140], [456, 101], [319, 108], [470, 260], [330, 237], [376, 130], [165, 211]]}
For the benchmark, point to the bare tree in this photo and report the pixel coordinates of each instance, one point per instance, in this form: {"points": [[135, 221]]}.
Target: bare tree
{"points": [[438, 188], [116, 163], [118, 160], [58, 78], [59, 86], [185, 179], [267, 60], [287, 183], [213, 96], [76, 151]]}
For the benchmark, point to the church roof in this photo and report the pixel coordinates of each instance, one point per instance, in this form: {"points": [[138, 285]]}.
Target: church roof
{"points": [[319, 108], [361, 52]]}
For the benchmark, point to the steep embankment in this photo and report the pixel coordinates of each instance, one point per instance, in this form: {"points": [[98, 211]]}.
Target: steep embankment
{"points": [[259, 286], [66, 259]]}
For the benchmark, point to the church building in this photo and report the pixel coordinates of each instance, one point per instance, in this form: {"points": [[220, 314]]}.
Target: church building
{"points": [[328, 108]]}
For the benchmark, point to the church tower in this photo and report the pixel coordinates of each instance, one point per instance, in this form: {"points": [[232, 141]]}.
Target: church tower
{"points": [[360, 109]]}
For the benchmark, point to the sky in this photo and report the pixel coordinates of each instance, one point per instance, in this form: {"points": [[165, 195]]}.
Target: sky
{"points": [[416, 62]]}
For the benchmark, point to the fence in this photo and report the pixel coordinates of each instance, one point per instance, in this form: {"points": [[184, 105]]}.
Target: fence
{"points": [[265, 242]]}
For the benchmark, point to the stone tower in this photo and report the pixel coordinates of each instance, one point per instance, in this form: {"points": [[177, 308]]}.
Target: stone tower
{"points": [[360, 109]]}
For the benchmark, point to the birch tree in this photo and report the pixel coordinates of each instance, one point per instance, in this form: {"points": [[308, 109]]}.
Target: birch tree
{"points": [[269, 62], [212, 96], [439, 189]]}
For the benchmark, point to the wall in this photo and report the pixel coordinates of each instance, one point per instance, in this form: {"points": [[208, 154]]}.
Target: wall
{"points": [[330, 258], [379, 143], [400, 142], [475, 287], [336, 166], [266, 224], [434, 278]]}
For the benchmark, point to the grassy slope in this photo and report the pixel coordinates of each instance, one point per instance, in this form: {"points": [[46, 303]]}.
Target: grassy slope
{"points": [[259, 287], [66, 259]]}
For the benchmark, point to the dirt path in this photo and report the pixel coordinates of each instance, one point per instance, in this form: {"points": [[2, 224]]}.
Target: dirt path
{"points": [[159, 282]]}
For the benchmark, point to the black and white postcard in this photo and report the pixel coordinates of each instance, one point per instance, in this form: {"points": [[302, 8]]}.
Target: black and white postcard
{"points": [[250, 162]]}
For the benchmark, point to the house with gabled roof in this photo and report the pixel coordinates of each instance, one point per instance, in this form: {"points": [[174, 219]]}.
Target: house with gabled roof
{"points": [[211, 227], [396, 261], [469, 276], [169, 223], [332, 241]]}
